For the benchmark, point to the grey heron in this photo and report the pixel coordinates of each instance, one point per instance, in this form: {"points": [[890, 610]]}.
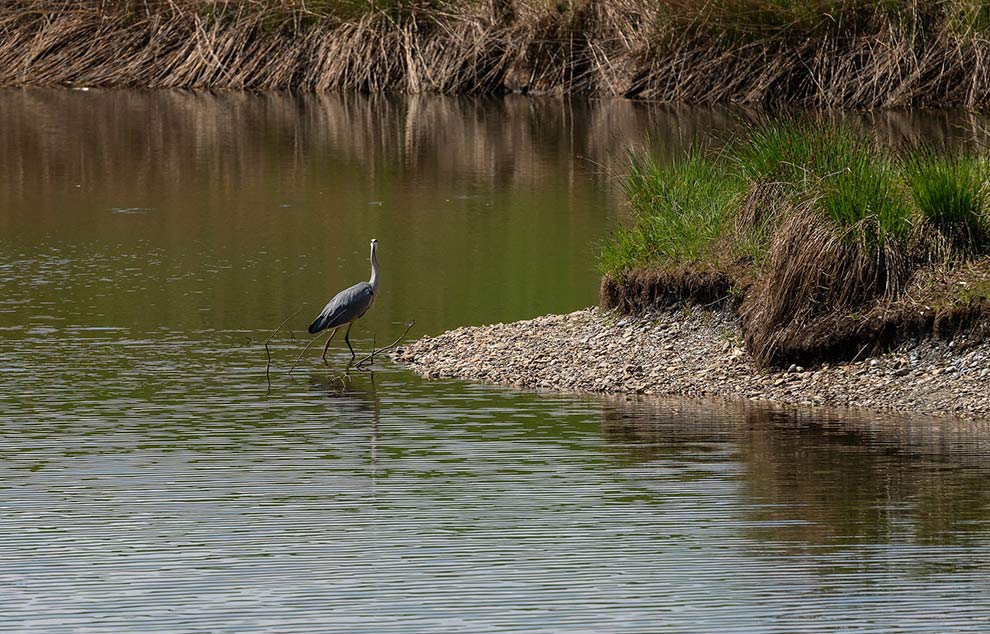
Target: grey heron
{"points": [[348, 306]]}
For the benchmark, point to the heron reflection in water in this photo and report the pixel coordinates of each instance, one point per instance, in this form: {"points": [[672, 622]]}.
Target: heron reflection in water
{"points": [[352, 405]]}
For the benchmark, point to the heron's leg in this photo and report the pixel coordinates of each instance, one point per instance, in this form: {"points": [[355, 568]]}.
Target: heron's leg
{"points": [[348, 341], [327, 347]]}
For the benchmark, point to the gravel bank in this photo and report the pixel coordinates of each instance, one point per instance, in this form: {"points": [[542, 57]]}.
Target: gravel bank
{"points": [[677, 353]]}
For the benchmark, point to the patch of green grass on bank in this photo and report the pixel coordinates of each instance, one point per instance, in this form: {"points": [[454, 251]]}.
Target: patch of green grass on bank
{"points": [[397, 9], [813, 230], [275, 15], [968, 18], [950, 192], [833, 169], [755, 20], [975, 291], [681, 211]]}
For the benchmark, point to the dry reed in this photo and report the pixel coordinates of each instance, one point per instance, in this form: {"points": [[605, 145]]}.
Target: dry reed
{"points": [[817, 277], [825, 53]]}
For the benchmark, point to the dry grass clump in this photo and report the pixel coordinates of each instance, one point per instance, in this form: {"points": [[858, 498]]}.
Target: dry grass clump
{"points": [[819, 240], [823, 53], [817, 274], [411, 46], [819, 53]]}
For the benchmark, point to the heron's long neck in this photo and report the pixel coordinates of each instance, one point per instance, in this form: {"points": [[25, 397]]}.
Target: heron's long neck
{"points": [[374, 271]]}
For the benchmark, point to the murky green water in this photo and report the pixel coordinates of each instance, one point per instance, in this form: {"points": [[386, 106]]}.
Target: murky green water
{"points": [[150, 481]]}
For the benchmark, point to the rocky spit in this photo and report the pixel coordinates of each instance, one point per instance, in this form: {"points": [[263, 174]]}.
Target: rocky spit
{"points": [[699, 353]]}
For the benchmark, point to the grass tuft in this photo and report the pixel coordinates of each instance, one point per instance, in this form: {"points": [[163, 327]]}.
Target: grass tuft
{"points": [[950, 192], [681, 210], [841, 172]]}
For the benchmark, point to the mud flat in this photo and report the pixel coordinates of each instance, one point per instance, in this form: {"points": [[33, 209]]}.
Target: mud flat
{"points": [[699, 353]]}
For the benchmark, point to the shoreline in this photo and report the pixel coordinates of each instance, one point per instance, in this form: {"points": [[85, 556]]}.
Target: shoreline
{"points": [[699, 353]]}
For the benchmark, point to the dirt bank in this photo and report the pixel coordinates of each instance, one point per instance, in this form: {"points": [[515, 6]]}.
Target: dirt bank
{"points": [[699, 353]]}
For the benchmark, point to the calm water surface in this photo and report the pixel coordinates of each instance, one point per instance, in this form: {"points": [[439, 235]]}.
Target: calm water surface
{"points": [[149, 480]]}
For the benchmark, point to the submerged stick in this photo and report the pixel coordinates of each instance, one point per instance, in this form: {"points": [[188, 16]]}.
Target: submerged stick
{"points": [[267, 341], [388, 347]]}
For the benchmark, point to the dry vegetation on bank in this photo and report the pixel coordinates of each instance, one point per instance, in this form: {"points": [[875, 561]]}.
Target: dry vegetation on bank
{"points": [[828, 245], [824, 53]]}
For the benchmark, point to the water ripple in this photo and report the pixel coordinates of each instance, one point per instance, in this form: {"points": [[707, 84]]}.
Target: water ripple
{"points": [[171, 491]]}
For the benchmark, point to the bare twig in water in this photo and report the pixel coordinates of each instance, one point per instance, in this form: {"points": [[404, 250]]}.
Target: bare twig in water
{"points": [[371, 356], [308, 346], [268, 352]]}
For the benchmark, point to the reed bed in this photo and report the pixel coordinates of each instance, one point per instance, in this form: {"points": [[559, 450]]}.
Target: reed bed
{"points": [[827, 244], [819, 53]]}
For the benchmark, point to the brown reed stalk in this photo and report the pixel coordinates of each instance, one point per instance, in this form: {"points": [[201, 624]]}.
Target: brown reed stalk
{"points": [[815, 269], [833, 54]]}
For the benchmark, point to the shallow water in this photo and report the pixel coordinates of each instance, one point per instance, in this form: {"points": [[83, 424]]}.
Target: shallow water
{"points": [[150, 480]]}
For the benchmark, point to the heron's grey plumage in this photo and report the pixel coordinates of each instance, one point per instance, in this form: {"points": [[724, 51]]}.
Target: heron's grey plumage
{"points": [[346, 306]]}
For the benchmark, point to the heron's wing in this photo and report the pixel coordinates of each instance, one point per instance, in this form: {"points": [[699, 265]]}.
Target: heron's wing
{"points": [[346, 306]]}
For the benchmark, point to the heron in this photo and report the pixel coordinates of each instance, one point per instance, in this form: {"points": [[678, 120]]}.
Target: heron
{"points": [[348, 306]]}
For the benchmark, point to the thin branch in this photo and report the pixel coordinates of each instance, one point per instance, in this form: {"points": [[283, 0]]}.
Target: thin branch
{"points": [[388, 347], [269, 352], [308, 345]]}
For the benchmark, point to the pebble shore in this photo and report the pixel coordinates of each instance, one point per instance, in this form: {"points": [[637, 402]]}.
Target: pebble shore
{"points": [[699, 353]]}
